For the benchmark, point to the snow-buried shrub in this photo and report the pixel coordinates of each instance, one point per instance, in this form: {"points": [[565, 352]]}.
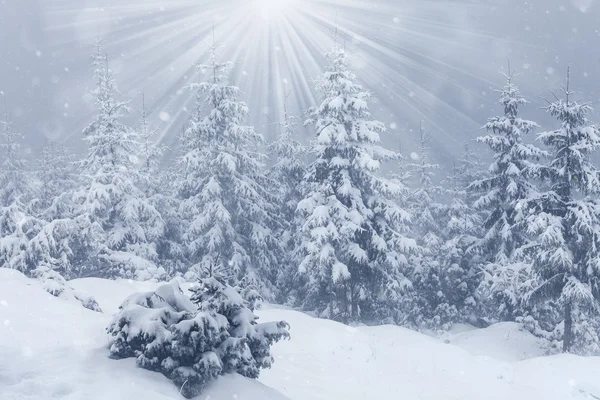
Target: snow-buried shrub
{"points": [[193, 341], [56, 285]]}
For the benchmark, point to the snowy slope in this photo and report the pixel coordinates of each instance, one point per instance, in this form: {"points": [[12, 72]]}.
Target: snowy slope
{"points": [[55, 349], [324, 359], [328, 360], [504, 342]]}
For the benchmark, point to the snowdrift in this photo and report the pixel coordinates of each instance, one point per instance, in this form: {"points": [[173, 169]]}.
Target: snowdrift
{"points": [[51, 348]]}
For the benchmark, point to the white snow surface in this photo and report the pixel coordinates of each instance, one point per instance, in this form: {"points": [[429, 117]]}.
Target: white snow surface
{"points": [[55, 349], [51, 348]]}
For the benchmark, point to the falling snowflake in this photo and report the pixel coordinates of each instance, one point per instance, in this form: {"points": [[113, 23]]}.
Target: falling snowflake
{"points": [[164, 116]]}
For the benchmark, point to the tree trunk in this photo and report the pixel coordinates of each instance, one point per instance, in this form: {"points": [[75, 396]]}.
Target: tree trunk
{"points": [[568, 333]]}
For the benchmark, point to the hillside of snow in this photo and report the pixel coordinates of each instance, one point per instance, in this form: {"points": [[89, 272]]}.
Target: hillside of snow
{"points": [[51, 348]]}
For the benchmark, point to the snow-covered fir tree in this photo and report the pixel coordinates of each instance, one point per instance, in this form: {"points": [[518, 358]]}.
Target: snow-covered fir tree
{"points": [[150, 154], [17, 225], [288, 170], [15, 183], [509, 182], [287, 175], [469, 168], [460, 262], [565, 221], [111, 196], [427, 226], [353, 243], [423, 200], [223, 188], [193, 341], [56, 182]]}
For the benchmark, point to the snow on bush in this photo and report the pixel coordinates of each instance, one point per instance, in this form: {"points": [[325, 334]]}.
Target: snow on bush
{"points": [[56, 285], [193, 341]]}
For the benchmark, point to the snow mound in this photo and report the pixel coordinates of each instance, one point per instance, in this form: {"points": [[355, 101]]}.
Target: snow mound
{"points": [[328, 360], [55, 349], [324, 360], [57, 286], [505, 341], [110, 294]]}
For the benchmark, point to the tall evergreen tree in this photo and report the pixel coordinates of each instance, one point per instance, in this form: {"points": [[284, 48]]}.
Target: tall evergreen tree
{"points": [[223, 188], [56, 180], [427, 224], [15, 185], [158, 186], [288, 170], [111, 196], [460, 275], [150, 154], [510, 181], [16, 223], [353, 243], [423, 201], [566, 217], [287, 176]]}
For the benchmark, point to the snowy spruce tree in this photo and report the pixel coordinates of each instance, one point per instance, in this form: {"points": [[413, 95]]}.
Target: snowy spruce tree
{"points": [[111, 196], [423, 200], [150, 154], [193, 341], [15, 183], [565, 221], [17, 225], [287, 176], [460, 262], [352, 234], [427, 225], [223, 188], [510, 181], [56, 182]]}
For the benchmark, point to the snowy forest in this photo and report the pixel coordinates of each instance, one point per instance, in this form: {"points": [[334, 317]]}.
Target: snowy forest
{"points": [[321, 227], [340, 227]]}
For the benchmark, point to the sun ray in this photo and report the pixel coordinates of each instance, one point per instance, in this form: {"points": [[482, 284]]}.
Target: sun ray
{"points": [[410, 54]]}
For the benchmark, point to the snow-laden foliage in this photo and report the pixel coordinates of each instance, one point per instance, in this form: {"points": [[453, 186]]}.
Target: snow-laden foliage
{"points": [[158, 186], [56, 285], [427, 226], [111, 196], [510, 181], [353, 235], [565, 219], [150, 154], [14, 181], [223, 187], [56, 182], [288, 170], [16, 228], [170, 246], [67, 246], [423, 200], [17, 224], [287, 175], [460, 263], [445, 273], [193, 341]]}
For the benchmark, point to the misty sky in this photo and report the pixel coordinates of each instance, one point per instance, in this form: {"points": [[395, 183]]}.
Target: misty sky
{"points": [[431, 60]]}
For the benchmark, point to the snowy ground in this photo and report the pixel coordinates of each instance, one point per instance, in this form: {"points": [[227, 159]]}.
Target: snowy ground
{"points": [[54, 349]]}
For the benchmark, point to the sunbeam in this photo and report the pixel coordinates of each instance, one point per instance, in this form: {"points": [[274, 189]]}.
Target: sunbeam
{"points": [[412, 55]]}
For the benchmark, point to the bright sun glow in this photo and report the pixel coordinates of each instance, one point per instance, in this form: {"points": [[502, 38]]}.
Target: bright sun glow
{"points": [[277, 46], [273, 8]]}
